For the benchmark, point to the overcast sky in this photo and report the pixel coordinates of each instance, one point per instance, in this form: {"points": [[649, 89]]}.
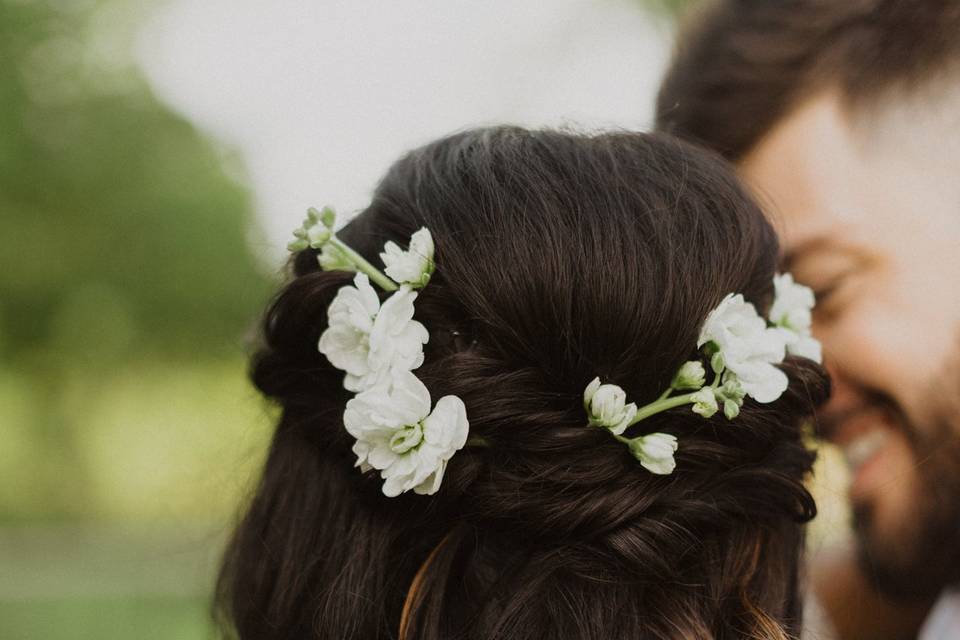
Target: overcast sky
{"points": [[320, 97]]}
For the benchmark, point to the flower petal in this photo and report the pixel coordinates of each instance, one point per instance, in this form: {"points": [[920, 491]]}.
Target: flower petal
{"points": [[589, 392], [763, 382], [432, 483], [409, 397]]}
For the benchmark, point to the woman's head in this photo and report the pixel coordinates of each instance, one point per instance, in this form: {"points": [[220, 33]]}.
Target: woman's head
{"points": [[560, 257]]}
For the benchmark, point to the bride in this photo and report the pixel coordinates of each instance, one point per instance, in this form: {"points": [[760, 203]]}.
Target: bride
{"points": [[546, 385]]}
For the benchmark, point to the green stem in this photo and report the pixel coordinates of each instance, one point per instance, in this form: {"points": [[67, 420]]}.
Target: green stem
{"points": [[662, 405], [665, 394], [477, 441], [363, 266], [716, 380]]}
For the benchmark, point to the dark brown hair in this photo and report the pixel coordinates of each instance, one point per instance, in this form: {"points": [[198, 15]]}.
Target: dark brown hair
{"points": [[560, 257], [742, 65]]}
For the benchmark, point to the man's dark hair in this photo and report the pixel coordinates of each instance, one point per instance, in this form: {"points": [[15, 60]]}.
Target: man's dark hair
{"points": [[742, 65]]}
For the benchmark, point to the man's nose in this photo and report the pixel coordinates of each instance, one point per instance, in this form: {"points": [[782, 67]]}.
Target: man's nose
{"points": [[845, 398]]}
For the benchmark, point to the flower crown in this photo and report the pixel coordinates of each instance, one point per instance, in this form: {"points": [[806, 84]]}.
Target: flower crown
{"points": [[409, 440], [742, 349]]}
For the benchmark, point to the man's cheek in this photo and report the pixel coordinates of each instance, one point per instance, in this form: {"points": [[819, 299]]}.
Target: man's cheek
{"points": [[918, 318], [889, 480], [863, 341]]}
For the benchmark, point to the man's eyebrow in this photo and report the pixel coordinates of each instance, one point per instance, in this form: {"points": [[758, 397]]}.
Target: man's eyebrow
{"points": [[813, 244]]}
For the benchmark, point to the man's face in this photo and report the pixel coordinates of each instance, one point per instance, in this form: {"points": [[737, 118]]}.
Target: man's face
{"points": [[868, 207]]}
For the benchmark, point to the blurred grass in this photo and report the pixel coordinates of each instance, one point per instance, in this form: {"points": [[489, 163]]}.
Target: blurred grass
{"points": [[150, 439], [122, 539], [85, 618]]}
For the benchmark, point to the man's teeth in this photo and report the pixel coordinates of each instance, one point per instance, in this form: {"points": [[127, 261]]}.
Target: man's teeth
{"points": [[859, 450]]}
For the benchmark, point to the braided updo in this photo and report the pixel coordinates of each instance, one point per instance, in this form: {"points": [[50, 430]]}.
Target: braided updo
{"points": [[560, 257]]}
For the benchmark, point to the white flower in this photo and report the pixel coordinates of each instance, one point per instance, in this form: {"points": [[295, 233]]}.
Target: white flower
{"points": [[691, 375], [792, 303], [749, 348], [315, 231], [368, 341], [606, 406], [396, 341], [398, 435], [413, 266], [732, 393], [791, 312], [705, 402], [346, 341], [803, 346], [317, 235], [655, 452]]}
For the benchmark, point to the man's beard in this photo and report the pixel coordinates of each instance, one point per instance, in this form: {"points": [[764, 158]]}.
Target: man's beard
{"points": [[923, 556]]}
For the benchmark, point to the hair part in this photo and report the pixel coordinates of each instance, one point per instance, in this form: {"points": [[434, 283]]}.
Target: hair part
{"points": [[559, 257], [740, 66]]}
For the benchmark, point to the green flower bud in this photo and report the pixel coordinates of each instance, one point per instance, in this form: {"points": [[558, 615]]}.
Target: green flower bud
{"points": [[731, 409], [732, 389], [314, 232], [732, 394], [328, 217], [297, 245], [691, 375], [716, 362], [318, 236], [705, 402]]}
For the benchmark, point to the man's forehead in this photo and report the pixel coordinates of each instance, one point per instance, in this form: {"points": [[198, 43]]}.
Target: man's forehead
{"points": [[803, 172]]}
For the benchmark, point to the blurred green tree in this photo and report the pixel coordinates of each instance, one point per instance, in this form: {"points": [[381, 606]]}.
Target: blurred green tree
{"points": [[121, 229], [127, 267]]}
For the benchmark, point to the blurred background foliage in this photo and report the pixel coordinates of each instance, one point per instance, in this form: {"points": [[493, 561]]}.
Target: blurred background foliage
{"points": [[128, 287], [127, 269]]}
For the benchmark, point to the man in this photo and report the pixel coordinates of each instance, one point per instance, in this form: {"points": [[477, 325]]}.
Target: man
{"points": [[844, 116]]}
